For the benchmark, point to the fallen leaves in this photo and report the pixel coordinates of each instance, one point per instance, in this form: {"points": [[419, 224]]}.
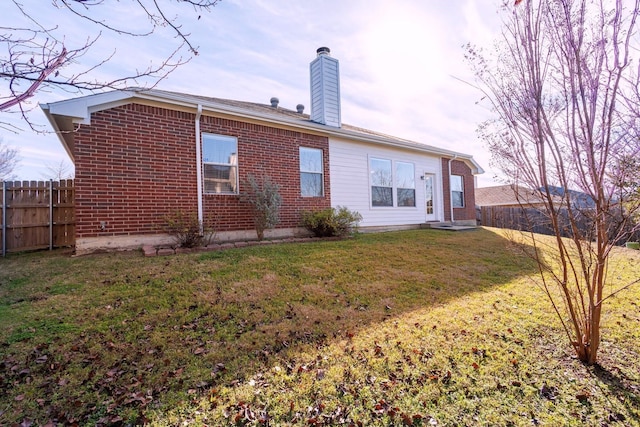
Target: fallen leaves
{"points": [[583, 396], [548, 392], [205, 356]]}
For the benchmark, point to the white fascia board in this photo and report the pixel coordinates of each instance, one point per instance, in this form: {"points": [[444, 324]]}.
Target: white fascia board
{"points": [[46, 109], [60, 133], [80, 109]]}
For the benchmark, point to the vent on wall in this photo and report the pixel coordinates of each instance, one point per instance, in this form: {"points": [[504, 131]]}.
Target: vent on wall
{"points": [[325, 88]]}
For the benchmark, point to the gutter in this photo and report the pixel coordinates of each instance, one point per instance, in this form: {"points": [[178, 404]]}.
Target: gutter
{"points": [[199, 168]]}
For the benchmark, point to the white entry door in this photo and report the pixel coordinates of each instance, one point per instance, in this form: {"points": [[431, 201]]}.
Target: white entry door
{"points": [[429, 197]]}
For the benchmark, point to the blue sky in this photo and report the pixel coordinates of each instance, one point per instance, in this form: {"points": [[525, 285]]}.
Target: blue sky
{"points": [[401, 63]]}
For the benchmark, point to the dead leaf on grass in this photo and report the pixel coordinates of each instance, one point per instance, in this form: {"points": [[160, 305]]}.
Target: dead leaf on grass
{"points": [[549, 392], [583, 396], [378, 350]]}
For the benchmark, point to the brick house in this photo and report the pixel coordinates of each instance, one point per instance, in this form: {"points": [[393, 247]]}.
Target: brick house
{"points": [[141, 155]]}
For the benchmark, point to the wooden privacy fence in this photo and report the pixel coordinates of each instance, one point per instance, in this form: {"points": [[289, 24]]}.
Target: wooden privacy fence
{"points": [[515, 218], [37, 215], [530, 219]]}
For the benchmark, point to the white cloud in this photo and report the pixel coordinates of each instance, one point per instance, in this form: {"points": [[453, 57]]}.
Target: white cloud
{"points": [[397, 60]]}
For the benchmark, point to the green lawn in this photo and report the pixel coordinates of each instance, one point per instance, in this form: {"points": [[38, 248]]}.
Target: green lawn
{"points": [[405, 328]]}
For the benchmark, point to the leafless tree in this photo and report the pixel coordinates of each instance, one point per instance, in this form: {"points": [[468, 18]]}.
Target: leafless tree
{"points": [[39, 56], [561, 82], [8, 161], [58, 171]]}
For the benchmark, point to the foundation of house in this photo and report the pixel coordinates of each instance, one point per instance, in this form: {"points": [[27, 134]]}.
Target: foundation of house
{"points": [[89, 245], [451, 226]]}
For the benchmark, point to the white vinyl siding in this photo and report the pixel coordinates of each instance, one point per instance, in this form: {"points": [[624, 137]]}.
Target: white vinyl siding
{"points": [[325, 90], [351, 182]]}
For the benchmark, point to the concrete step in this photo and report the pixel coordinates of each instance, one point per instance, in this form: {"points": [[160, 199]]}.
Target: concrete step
{"points": [[448, 226]]}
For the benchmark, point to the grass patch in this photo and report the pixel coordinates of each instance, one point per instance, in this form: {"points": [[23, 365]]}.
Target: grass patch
{"points": [[403, 328]]}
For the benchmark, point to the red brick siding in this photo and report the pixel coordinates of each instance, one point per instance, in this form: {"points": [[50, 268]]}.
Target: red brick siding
{"points": [[468, 212], [135, 164], [274, 152]]}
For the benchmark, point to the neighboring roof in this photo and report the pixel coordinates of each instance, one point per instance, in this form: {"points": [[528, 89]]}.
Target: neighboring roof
{"points": [[64, 115], [506, 195], [578, 199]]}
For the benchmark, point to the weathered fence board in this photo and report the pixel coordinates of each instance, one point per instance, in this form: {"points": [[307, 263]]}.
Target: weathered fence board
{"points": [[516, 218], [531, 219], [37, 215]]}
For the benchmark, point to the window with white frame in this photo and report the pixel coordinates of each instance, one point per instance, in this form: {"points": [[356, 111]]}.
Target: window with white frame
{"points": [[311, 172], [220, 164], [457, 191], [381, 182], [405, 184]]}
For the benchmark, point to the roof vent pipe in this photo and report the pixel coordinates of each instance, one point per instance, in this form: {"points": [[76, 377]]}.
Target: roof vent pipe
{"points": [[274, 102], [300, 108]]}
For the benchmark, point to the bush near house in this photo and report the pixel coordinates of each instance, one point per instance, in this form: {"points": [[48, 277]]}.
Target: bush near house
{"points": [[331, 222], [187, 230], [264, 197]]}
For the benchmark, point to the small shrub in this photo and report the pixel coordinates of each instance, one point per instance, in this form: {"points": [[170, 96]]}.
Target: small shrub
{"points": [[187, 230], [331, 222], [264, 197]]}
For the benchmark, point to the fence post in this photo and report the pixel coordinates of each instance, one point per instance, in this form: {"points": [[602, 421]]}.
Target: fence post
{"points": [[4, 218], [50, 214]]}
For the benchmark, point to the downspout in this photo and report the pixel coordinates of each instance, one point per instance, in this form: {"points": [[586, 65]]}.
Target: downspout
{"points": [[199, 169], [51, 214], [4, 219], [455, 156]]}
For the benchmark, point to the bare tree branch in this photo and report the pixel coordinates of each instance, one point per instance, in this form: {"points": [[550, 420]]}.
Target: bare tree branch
{"points": [[48, 69], [37, 56], [58, 171], [8, 161], [562, 88]]}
